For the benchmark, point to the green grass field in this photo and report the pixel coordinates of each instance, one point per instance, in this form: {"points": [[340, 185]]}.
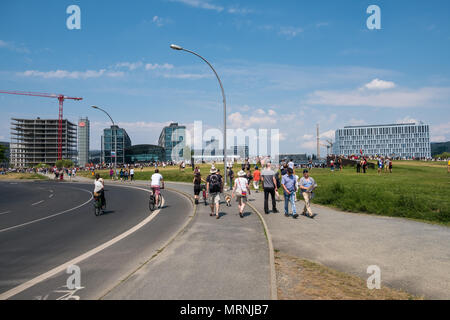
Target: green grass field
{"points": [[415, 190]]}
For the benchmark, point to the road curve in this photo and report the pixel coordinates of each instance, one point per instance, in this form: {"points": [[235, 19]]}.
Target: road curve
{"points": [[46, 224]]}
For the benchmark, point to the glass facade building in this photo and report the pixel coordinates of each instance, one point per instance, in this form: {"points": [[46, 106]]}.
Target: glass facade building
{"points": [[108, 144], [83, 141], [144, 153], [173, 140], [409, 140]]}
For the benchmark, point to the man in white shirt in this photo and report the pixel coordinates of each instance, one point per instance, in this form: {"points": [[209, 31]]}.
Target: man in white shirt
{"points": [[291, 164], [156, 184], [131, 174], [99, 187]]}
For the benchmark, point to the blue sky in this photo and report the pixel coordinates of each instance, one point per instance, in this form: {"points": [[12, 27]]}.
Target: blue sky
{"points": [[284, 64]]}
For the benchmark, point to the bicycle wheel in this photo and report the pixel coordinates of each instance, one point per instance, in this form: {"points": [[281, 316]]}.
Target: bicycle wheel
{"points": [[151, 203]]}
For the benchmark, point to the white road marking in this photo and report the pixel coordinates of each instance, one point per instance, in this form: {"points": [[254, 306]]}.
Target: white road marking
{"points": [[62, 268], [51, 216], [34, 204], [50, 195], [1, 213]]}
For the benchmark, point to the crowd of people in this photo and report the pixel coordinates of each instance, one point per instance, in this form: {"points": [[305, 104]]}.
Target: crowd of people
{"points": [[266, 176]]}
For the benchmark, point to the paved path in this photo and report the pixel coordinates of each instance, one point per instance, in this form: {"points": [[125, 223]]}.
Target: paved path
{"points": [[214, 259], [412, 256]]}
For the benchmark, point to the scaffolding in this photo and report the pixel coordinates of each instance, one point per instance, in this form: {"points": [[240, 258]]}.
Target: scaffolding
{"points": [[35, 141]]}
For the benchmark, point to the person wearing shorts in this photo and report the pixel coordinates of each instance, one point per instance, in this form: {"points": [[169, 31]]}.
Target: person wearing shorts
{"points": [[197, 186], [156, 184], [241, 190], [214, 187]]}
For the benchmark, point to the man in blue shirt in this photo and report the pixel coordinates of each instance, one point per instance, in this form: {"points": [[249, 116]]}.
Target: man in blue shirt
{"points": [[288, 183]]}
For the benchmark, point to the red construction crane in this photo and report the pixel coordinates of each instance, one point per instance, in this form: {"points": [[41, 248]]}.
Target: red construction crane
{"points": [[61, 99]]}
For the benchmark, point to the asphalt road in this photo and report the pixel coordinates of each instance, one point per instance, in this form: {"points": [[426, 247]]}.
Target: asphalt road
{"points": [[45, 224]]}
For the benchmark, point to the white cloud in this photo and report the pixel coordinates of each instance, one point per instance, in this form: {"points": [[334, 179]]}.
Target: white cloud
{"points": [[160, 22], [202, 4], [11, 46], [440, 132], [378, 84], [260, 119], [356, 122], [188, 76], [291, 32], [407, 119], [424, 97], [130, 65], [155, 66], [330, 134], [64, 74]]}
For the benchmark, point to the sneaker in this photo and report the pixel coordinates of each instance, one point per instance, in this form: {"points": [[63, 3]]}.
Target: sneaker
{"points": [[241, 215], [286, 214], [275, 211], [295, 216]]}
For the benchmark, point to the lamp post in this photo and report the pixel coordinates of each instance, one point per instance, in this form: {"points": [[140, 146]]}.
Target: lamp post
{"points": [[115, 139], [176, 47]]}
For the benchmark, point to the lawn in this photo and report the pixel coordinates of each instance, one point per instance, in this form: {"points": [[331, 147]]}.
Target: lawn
{"points": [[415, 190], [22, 176]]}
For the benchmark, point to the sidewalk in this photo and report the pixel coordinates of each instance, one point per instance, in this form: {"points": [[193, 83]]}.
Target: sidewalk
{"points": [[412, 256], [213, 259]]}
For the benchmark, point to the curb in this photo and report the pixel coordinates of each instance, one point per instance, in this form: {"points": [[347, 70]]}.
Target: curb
{"points": [[171, 239], [273, 275]]}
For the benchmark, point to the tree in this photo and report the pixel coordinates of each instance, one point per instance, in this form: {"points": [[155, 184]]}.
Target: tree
{"points": [[64, 163], [2, 153]]}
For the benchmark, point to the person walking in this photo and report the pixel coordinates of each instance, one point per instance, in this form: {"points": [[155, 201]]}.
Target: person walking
{"points": [[132, 174], [358, 165], [288, 184], [214, 187], [270, 188], [278, 180], [380, 165], [197, 186], [291, 164], [256, 179], [390, 165], [249, 176], [111, 173], [307, 186], [121, 174], [241, 190]]}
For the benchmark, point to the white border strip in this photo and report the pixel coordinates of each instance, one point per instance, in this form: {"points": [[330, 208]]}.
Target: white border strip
{"points": [[8, 294]]}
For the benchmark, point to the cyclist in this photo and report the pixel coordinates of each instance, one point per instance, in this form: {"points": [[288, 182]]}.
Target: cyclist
{"points": [[156, 184], [99, 187]]}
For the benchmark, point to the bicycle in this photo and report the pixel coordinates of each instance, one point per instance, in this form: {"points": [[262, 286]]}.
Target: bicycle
{"points": [[152, 205], [98, 210]]}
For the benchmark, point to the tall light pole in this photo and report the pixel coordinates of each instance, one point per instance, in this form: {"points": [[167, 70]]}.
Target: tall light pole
{"points": [[175, 47], [115, 139]]}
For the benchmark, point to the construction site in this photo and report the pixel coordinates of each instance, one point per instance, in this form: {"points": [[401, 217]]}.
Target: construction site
{"points": [[35, 141]]}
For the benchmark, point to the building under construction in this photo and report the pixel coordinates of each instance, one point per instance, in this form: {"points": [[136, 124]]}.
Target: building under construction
{"points": [[35, 141]]}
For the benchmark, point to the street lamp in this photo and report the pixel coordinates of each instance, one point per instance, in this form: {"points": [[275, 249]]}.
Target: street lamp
{"points": [[115, 139], [178, 48]]}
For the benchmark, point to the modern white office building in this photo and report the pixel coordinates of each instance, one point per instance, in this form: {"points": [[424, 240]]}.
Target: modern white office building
{"points": [[407, 140]]}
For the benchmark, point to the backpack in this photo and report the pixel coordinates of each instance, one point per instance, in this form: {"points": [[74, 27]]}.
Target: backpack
{"points": [[215, 183]]}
